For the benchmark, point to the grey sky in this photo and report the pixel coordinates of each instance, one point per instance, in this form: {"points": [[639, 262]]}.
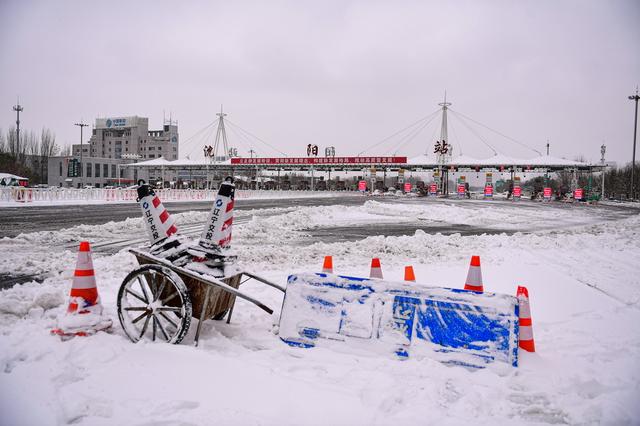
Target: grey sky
{"points": [[337, 73]]}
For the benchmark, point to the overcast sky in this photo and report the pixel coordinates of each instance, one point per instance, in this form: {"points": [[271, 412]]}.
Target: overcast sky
{"points": [[339, 73]]}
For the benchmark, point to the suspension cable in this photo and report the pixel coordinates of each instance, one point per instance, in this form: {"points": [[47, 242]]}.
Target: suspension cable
{"points": [[497, 132], [413, 134], [476, 134], [398, 132], [255, 137]]}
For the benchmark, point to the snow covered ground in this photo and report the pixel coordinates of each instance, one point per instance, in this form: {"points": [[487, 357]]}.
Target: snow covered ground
{"points": [[580, 264]]}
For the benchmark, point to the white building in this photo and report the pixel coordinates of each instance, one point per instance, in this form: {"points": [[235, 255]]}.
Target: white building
{"points": [[115, 136]]}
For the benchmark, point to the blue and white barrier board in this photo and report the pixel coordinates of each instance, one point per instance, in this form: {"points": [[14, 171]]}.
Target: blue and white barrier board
{"points": [[450, 325]]}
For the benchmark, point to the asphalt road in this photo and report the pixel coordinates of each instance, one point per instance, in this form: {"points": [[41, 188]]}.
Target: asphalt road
{"points": [[19, 220]]}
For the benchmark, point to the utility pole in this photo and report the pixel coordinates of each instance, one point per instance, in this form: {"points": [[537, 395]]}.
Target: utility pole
{"points": [[251, 152], [17, 108], [635, 131], [547, 147], [603, 149], [81, 125]]}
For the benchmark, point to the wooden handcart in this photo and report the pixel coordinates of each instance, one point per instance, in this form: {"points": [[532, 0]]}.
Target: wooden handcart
{"points": [[158, 298]]}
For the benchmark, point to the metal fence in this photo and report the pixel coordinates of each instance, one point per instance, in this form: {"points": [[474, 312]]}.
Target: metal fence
{"points": [[29, 195]]}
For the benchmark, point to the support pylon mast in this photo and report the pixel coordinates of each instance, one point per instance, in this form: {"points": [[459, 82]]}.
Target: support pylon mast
{"points": [[444, 131], [221, 134]]}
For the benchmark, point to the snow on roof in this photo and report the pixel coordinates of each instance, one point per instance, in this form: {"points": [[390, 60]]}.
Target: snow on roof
{"points": [[548, 160], [463, 160], [10, 176], [161, 161], [423, 159], [500, 160]]}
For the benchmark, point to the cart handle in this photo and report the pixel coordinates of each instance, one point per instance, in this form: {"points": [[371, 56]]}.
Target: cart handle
{"points": [[264, 281]]}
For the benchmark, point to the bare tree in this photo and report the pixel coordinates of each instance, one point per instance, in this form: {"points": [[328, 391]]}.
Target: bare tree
{"points": [[48, 146], [65, 151], [3, 147], [12, 142], [46, 149]]}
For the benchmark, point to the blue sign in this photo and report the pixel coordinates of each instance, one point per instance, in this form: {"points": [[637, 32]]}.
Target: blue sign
{"points": [[116, 122]]}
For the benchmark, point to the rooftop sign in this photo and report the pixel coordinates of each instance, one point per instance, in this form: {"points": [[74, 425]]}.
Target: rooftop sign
{"points": [[321, 160]]}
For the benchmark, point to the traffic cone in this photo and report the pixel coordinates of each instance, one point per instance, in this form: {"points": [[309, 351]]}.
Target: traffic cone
{"points": [[408, 274], [217, 231], [376, 269], [84, 292], [474, 276], [327, 266], [159, 223], [526, 325], [83, 299]]}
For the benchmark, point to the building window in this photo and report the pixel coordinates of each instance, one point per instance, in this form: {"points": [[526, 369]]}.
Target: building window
{"points": [[105, 170], [113, 170], [88, 169], [152, 156], [97, 170]]}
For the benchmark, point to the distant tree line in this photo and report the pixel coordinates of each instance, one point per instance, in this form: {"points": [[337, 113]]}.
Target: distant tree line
{"points": [[29, 156], [617, 182]]}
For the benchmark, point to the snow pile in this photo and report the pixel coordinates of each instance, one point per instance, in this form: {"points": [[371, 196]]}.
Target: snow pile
{"points": [[582, 277]]}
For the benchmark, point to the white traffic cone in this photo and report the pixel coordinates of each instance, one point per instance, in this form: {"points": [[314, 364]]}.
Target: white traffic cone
{"points": [[217, 231], [159, 223]]}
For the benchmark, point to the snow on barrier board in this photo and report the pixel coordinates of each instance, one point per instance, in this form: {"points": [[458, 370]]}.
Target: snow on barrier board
{"points": [[450, 325]]}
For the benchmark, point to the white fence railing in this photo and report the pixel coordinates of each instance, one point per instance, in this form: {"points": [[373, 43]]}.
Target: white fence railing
{"points": [[29, 195]]}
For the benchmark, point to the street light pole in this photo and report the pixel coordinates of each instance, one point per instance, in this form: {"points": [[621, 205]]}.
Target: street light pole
{"points": [[635, 131], [81, 125], [18, 108], [603, 149]]}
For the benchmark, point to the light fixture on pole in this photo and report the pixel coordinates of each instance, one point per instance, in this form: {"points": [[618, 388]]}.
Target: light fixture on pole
{"points": [[81, 125], [635, 131]]}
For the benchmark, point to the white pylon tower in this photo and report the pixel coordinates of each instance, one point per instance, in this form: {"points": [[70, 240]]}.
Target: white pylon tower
{"points": [[220, 134], [443, 157]]}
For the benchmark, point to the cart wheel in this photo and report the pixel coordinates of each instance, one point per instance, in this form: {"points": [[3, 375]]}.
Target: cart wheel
{"points": [[153, 302]]}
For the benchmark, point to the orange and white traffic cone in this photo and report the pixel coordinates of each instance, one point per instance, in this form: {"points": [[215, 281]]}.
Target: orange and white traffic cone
{"points": [[84, 292], [474, 276], [327, 266], [409, 275], [376, 269], [159, 223], [83, 300], [526, 325]]}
